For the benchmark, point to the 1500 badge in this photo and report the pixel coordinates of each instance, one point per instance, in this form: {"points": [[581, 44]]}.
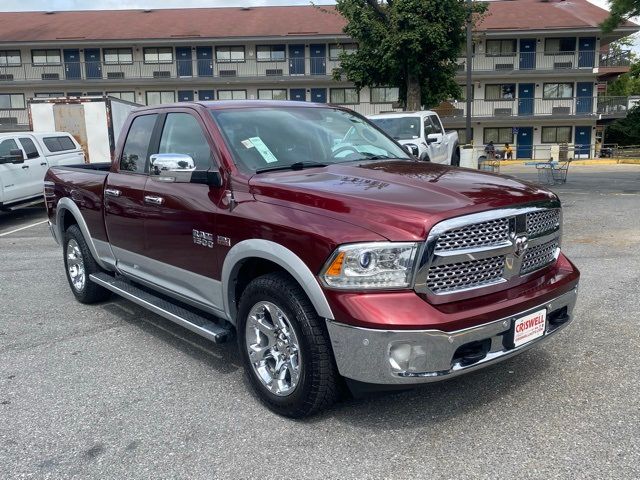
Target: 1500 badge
{"points": [[203, 238]]}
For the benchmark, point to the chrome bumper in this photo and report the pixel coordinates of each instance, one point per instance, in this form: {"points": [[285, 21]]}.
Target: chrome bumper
{"points": [[369, 355]]}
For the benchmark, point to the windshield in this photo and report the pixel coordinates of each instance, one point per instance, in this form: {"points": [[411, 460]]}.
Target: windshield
{"points": [[262, 138], [400, 128]]}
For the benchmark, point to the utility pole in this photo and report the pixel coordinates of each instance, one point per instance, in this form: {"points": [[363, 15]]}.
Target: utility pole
{"points": [[469, 68]]}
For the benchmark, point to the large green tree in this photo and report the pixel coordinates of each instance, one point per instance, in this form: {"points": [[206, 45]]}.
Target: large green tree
{"points": [[625, 131], [620, 11], [409, 44]]}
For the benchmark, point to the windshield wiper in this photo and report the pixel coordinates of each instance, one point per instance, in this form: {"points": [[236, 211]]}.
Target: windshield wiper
{"points": [[291, 166], [379, 157]]}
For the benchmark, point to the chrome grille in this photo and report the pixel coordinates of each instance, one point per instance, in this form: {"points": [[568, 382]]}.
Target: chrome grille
{"points": [[542, 221], [488, 248], [459, 276], [538, 257], [493, 232]]}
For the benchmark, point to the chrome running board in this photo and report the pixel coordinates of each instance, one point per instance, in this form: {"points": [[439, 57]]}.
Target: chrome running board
{"points": [[177, 314]]}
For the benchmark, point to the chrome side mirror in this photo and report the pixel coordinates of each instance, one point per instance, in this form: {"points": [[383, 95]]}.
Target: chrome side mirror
{"points": [[412, 149], [171, 167]]}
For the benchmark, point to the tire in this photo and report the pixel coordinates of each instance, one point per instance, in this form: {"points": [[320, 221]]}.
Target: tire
{"points": [[78, 265], [425, 158], [315, 387], [455, 158]]}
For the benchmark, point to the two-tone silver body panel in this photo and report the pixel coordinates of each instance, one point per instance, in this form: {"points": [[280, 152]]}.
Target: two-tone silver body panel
{"points": [[211, 295]]}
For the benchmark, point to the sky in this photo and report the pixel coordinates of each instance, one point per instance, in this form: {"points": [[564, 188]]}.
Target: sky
{"points": [[53, 5]]}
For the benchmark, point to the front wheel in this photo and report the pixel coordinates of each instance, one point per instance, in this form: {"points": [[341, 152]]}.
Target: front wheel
{"points": [[285, 347], [78, 265]]}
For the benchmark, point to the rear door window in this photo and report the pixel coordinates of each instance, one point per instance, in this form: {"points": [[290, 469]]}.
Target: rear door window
{"points": [[136, 146], [59, 143], [29, 148]]}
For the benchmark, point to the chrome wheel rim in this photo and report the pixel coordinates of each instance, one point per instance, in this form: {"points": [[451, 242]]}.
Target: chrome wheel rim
{"points": [[75, 265], [273, 348]]}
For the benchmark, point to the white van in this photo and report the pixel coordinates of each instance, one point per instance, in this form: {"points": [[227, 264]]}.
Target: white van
{"points": [[25, 157]]}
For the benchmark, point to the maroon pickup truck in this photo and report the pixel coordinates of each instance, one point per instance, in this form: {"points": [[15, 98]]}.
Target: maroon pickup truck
{"points": [[316, 239]]}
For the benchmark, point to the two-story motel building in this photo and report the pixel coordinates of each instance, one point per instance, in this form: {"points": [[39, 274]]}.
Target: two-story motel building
{"points": [[536, 67]]}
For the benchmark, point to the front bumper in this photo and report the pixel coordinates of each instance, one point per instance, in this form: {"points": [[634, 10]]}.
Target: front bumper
{"points": [[371, 356]]}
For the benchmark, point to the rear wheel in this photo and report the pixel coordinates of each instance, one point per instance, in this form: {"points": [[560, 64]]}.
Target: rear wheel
{"points": [[78, 265], [285, 347]]}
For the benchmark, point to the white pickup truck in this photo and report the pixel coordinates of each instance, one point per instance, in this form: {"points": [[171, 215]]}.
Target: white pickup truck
{"points": [[25, 157], [423, 133]]}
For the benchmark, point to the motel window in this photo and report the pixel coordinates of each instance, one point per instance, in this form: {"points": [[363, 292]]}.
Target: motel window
{"points": [[557, 90], [11, 101], [119, 56], [335, 49], [498, 135], [9, 58], [501, 48], [270, 53], [556, 134], [560, 45], [384, 94], [232, 94], [344, 96], [504, 91], [45, 57], [160, 97], [158, 55], [230, 54], [275, 94], [126, 96]]}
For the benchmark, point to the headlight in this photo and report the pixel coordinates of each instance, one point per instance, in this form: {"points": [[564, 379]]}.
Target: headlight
{"points": [[371, 265]]}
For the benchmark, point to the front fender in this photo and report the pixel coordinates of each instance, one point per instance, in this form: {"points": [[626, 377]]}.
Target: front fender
{"points": [[276, 253]]}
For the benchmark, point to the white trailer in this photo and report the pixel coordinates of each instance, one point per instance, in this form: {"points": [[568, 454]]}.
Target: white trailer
{"points": [[95, 122]]}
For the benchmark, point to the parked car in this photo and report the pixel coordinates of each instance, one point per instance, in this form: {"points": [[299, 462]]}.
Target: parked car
{"points": [[423, 133], [282, 222], [24, 160]]}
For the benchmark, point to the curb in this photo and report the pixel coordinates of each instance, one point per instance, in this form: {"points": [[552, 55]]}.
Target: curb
{"points": [[608, 161]]}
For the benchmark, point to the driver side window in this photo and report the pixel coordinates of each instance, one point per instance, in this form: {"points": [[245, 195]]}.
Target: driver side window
{"points": [[182, 134]]}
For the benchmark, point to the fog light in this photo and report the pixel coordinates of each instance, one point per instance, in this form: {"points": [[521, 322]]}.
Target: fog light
{"points": [[405, 357]]}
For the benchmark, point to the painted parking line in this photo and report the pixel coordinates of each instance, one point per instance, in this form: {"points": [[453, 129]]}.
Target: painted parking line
{"points": [[22, 228]]}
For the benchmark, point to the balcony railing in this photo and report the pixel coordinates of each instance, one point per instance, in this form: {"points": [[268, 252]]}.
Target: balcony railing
{"points": [[91, 71], [620, 59], [531, 61], [539, 107]]}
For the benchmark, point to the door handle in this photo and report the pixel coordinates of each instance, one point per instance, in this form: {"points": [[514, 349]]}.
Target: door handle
{"points": [[24, 167], [112, 192], [153, 200], [43, 164]]}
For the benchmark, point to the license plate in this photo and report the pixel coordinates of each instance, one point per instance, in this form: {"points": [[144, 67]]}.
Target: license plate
{"points": [[529, 327]]}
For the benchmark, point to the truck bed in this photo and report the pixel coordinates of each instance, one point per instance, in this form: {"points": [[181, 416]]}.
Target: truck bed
{"points": [[84, 184]]}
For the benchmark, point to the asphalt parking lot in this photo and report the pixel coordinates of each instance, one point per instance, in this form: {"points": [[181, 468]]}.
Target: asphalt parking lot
{"points": [[112, 391]]}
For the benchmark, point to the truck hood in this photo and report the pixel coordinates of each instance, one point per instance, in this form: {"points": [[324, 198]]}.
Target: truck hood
{"points": [[400, 200]]}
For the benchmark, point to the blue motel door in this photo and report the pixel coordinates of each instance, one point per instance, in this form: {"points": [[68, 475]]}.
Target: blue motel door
{"points": [[524, 140], [583, 141], [527, 53], [183, 60]]}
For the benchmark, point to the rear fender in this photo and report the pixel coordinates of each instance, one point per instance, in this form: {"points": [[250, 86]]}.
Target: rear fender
{"points": [[101, 251]]}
